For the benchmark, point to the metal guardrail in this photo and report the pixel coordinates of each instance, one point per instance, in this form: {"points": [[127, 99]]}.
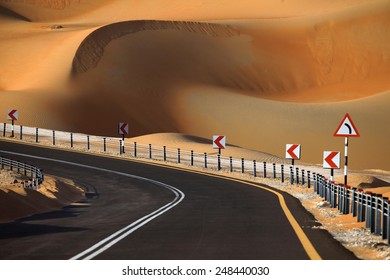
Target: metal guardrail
{"points": [[35, 175], [366, 206], [373, 209]]}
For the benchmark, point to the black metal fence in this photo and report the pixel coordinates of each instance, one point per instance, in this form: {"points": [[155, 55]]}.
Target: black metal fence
{"points": [[34, 176]]}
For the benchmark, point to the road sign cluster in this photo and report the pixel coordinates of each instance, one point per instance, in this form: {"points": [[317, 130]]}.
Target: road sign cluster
{"points": [[331, 159]]}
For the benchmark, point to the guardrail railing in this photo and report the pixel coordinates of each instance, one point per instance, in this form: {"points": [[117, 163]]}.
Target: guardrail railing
{"points": [[33, 174], [366, 206]]}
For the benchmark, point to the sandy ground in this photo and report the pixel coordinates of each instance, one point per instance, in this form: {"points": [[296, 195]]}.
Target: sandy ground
{"points": [[263, 73], [17, 202]]}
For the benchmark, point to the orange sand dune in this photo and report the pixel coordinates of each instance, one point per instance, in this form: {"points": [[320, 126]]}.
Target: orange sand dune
{"points": [[262, 73]]}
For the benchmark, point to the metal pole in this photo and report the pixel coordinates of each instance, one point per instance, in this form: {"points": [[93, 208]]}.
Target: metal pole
{"points": [[297, 174], [54, 137], [71, 140], [385, 210], [254, 168], [274, 169], [192, 158], [165, 153], [88, 144], [308, 179], [378, 211], [4, 129], [265, 169], [231, 163], [36, 134], [120, 147], [291, 175], [135, 149], [282, 172], [104, 144], [21, 132], [123, 143], [205, 160], [242, 166], [150, 151], [178, 156], [13, 129], [219, 161], [303, 177], [346, 161]]}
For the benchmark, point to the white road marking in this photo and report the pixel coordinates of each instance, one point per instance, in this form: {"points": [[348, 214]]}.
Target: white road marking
{"points": [[111, 240]]}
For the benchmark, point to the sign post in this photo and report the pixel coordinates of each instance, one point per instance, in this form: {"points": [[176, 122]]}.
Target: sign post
{"points": [[123, 129], [331, 161], [346, 129], [13, 115], [293, 151], [219, 142]]}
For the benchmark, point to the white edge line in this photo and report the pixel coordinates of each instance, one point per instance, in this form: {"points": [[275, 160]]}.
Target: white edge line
{"points": [[144, 220]]}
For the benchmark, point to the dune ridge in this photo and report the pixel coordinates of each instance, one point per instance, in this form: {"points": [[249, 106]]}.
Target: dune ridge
{"points": [[92, 48]]}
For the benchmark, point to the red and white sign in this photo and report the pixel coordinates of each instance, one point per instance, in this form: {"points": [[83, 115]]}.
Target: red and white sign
{"points": [[219, 142], [123, 128], [293, 151], [347, 128], [331, 160], [13, 115]]}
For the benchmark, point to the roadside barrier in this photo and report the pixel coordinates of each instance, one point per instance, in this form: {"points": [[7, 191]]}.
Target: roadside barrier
{"points": [[365, 206], [34, 175]]}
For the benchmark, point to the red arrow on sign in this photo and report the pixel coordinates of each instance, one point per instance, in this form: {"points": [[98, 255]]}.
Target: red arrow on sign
{"points": [[217, 142], [123, 128], [13, 115], [329, 159], [291, 150]]}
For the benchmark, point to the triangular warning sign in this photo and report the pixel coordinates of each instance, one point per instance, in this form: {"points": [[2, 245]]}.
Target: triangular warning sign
{"points": [[347, 128]]}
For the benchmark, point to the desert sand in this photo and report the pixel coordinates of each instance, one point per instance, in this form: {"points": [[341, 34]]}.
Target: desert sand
{"points": [[263, 73], [17, 202]]}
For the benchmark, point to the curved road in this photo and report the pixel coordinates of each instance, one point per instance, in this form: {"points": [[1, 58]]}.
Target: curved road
{"points": [[139, 211]]}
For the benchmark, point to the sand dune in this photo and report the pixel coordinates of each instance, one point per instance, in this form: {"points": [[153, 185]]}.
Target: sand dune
{"points": [[262, 73]]}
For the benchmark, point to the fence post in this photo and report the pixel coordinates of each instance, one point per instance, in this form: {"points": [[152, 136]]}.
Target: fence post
{"points": [[265, 169], [254, 168], [368, 210], [385, 209], [291, 175], [36, 134], [135, 149], [54, 137], [346, 200], [71, 140], [231, 164], [150, 151], [165, 153], [205, 160], [353, 202], [178, 155], [242, 165], [104, 144], [88, 144], [282, 172], [378, 214], [219, 161], [274, 170], [21, 132]]}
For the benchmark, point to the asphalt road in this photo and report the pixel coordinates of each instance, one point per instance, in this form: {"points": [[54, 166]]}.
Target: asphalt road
{"points": [[192, 216]]}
